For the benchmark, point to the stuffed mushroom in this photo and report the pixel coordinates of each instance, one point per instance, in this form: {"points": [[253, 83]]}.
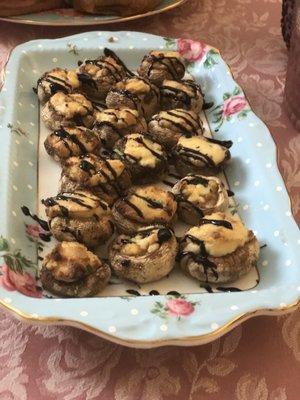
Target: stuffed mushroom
{"points": [[100, 75], [145, 256], [219, 250], [199, 154], [111, 125], [79, 216], [198, 195], [167, 127], [185, 94], [57, 80], [143, 206], [68, 110], [67, 142], [145, 159], [71, 270], [107, 179], [159, 65], [136, 93]]}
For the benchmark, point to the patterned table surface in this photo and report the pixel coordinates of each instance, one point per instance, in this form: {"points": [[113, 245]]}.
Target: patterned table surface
{"points": [[259, 360]]}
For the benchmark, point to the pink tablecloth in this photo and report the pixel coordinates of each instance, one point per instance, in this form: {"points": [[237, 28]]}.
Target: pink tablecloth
{"points": [[259, 360]]}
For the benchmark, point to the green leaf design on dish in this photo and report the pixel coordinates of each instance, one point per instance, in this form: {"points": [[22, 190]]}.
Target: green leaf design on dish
{"points": [[4, 246], [170, 43], [210, 59], [226, 96], [236, 91]]}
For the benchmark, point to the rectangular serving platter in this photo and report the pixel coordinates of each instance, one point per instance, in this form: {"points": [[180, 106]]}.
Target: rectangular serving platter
{"points": [[27, 175]]}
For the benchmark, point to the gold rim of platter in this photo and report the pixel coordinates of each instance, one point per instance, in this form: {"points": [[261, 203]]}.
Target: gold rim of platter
{"points": [[186, 341]]}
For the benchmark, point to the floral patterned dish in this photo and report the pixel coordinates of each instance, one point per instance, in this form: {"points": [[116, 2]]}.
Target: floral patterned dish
{"points": [[143, 320], [70, 17]]}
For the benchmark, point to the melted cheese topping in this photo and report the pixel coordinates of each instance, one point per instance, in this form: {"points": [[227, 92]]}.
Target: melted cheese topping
{"points": [[93, 176], [139, 151], [219, 241], [80, 204], [69, 76], [71, 261], [134, 85], [201, 195], [103, 67], [166, 201], [70, 105], [167, 54], [119, 118], [141, 245], [214, 151]]}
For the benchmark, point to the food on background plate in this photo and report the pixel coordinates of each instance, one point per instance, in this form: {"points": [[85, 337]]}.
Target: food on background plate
{"points": [[136, 93], [198, 195], [112, 124], [67, 142], [145, 159], [145, 256], [79, 216], [219, 249], [143, 206], [71, 270], [120, 7], [167, 127], [200, 155], [19, 7], [63, 110], [57, 80], [98, 76], [108, 179], [185, 94], [160, 65]]}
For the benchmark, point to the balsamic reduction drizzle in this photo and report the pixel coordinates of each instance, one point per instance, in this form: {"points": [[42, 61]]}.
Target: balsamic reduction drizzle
{"points": [[43, 224], [65, 136]]}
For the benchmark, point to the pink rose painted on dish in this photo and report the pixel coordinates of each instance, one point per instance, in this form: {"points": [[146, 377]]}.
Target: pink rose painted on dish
{"points": [[34, 231], [233, 105], [23, 283], [191, 50], [179, 307]]}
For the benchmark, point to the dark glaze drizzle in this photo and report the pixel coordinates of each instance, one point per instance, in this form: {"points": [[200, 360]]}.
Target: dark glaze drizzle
{"points": [[109, 53], [55, 84], [196, 180], [168, 62], [224, 143], [202, 256], [126, 93], [216, 222], [43, 224], [87, 79], [87, 166], [192, 124], [153, 203], [65, 136], [228, 289], [179, 94], [53, 201], [141, 141], [196, 155]]}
